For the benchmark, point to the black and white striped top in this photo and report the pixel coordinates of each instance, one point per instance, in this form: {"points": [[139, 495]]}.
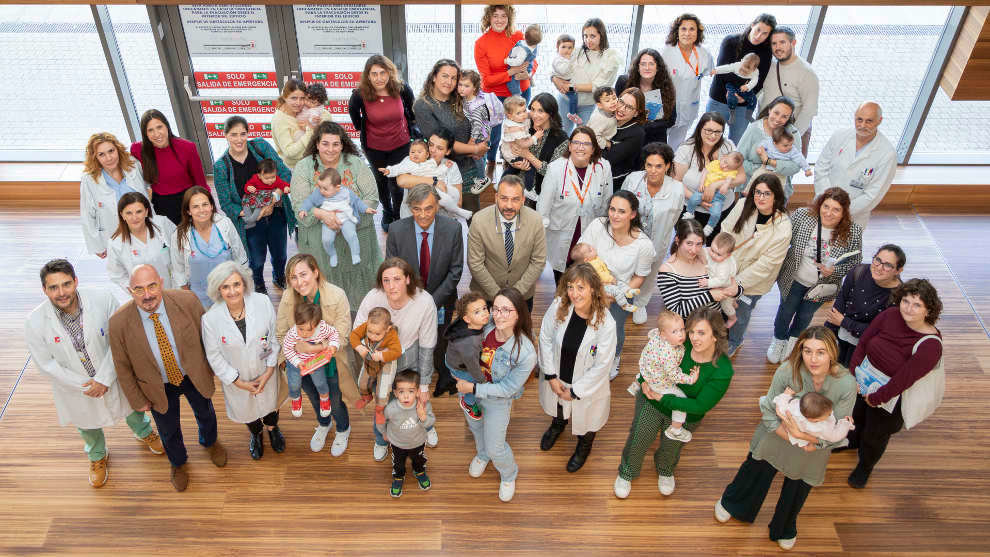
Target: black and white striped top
{"points": [[681, 294]]}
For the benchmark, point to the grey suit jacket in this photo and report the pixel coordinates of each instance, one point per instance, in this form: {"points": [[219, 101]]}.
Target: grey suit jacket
{"points": [[486, 253], [446, 257]]}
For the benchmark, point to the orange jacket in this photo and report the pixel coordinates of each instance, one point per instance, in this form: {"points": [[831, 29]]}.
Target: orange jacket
{"points": [[490, 51]]}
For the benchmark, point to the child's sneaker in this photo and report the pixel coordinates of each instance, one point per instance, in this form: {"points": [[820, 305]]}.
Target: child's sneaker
{"points": [[472, 412], [633, 388], [631, 308], [480, 184], [297, 407], [424, 481], [380, 415], [575, 118], [324, 406], [396, 489], [531, 194], [363, 401], [708, 230], [688, 215], [683, 435]]}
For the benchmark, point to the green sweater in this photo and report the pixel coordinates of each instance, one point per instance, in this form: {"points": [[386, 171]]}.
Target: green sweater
{"points": [[713, 381]]}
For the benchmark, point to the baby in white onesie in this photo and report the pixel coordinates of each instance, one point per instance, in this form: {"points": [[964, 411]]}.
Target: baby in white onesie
{"points": [[813, 414], [419, 163], [721, 269]]}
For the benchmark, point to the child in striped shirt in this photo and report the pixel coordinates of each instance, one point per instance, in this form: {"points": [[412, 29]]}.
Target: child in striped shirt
{"points": [[323, 340]]}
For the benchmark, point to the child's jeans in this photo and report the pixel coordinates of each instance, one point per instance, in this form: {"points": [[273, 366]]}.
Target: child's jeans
{"points": [[469, 398], [293, 377], [514, 86], [731, 90], [349, 231], [714, 212], [572, 102]]}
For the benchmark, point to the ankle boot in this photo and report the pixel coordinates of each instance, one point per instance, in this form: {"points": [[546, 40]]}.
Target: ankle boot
{"points": [[552, 433], [581, 452], [257, 447]]}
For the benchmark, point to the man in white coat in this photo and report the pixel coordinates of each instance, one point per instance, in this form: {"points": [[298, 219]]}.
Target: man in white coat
{"points": [[861, 161], [792, 77], [67, 337]]}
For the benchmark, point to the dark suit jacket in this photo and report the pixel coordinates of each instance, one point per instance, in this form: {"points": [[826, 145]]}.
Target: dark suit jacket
{"points": [[137, 369], [446, 258]]}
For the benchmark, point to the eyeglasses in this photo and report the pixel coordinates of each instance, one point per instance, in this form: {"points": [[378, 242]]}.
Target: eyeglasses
{"points": [[707, 131], [762, 193], [626, 105], [150, 289], [580, 143], [886, 266], [503, 311]]}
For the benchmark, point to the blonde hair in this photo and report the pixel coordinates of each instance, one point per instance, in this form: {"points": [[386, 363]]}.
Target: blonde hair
{"points": [[666, 316], [486, 18], [93, 167], [724, 240], [514, 102]]}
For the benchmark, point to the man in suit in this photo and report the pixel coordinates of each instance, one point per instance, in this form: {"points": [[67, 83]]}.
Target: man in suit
{"points": [[506, 244], [157, 346], [432, 244]]}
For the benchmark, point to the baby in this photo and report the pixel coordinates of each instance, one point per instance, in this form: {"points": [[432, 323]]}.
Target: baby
{"points": [[780, 146], [406, 421], [717, 174], [262, 190], [721, 269], [562, 68], [515, 128], [316, 99], [741, 95], [479, 107], [331, 196], [586, 253], [660, 368], [376, 342], [419, 163], [523, 53], [813, 414], [312, 329], [602, 120], [464, 340]]}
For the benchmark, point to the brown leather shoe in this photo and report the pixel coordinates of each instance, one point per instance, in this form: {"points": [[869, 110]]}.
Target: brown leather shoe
{"points": [[218, 454], [180, 479], [154, 443], [99, 471]]}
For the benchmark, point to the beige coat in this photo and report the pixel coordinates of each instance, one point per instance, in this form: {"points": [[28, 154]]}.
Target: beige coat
{"points": [[486, 253], [760, 249]]}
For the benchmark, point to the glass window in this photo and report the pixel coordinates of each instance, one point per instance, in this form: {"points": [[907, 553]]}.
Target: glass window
{"points": [[429, 37], [954, 132]]}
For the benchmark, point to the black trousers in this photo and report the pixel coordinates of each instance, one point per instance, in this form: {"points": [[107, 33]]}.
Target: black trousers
{"points": [[744, 497], [389, 192], [168, 425], [270, 419], [440, 351], [416, 454], [168, 205], [874, 426]]}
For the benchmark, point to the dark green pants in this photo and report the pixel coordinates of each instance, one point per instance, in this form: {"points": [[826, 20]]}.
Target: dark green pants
{"points": [[647, 423]]}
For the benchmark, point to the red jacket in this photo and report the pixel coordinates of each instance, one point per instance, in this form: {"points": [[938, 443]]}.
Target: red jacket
{"points": [[490, 51], [257, 183]]}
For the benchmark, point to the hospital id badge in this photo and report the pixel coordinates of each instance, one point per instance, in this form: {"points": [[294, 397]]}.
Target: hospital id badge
{"points": [[266, 351], [744, 299]]}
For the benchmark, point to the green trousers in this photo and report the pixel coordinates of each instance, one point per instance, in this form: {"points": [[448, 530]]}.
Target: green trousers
{"points": [[96, 442], [647, 423]]}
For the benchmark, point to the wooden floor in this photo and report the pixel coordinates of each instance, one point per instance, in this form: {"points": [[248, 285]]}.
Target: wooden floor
{"points": [[930, 493]]}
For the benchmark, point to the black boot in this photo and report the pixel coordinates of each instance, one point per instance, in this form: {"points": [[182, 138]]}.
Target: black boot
{"points": [[552, 433], [445, 387], [277, 439], [581, 452], [257, 445]]}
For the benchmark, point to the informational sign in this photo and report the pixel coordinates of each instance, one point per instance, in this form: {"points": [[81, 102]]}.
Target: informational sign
{"points": [[334, 80], [236, 80], [338, 107], [226, 30], [238, 107], [214, 130], [339, 30]]}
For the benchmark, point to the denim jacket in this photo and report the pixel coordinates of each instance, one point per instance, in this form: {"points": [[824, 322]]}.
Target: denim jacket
{"points": [[509, 370]]}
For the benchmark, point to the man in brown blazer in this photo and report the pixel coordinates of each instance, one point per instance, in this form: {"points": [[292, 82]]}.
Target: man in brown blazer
{"points": [[506, 244], [157, 346]]}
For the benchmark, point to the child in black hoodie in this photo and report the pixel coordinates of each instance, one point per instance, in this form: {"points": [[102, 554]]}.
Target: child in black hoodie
{"points": [[464, 340]]}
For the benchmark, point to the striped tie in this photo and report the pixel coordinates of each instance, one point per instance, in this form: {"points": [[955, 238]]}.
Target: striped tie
{"points": [[168, 357], [508, 243]]}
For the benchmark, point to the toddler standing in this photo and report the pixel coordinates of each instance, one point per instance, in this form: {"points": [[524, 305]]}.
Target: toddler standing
{"points": [[813, 415], [722, 268], [464, 340], [524, 52], [260, 191], [602, 120], [586, 253], [660, 368], [741, 95], [331, 196], [406, 420], [376, 342], [484, 110], [563, 69], [717, 174], [312, 329]]}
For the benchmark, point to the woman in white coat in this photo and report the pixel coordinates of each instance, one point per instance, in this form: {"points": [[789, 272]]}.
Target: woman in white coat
{"points": [[109, 172], [575, 190], [204, 239], [68, 327], [688, 62], [140, 238], [577, 343], [239, 338], [661, 198]]}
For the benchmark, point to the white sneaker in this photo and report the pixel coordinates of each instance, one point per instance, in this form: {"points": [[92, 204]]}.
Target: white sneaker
{"points": [[477, 467], [615, 369], [506, 490], [776, 350], [532, 195], [319, 439], [622, 487], [380, 452], [639, 316], [666, 485], [480, 184], [634, 388], [721, 514], [687, 215], [340, 443], [789, 348], [431, 438], [787, 544], [464, 213], [684, 436], [708, 230]]}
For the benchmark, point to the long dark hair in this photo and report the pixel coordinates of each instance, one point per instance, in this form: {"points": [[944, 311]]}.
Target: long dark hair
{"points": [[186, 223], [713, 317], [599, 26], [698, 143], [637, 222], [456, 102], [149, 165], [779, 100], [767, 19], [549, 105], [524, 325], [394, 85], [661, 80], [123, 230], [840, 234], [682, 230], [327, 127], [771, 181], [676, 25]]}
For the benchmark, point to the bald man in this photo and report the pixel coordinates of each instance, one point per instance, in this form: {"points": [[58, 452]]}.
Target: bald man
{"points": [[861, 161], [158, 353]]}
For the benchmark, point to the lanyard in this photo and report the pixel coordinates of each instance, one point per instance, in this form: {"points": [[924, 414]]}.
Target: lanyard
{"points": [[581, 190], [687, 59], [223, 243]]}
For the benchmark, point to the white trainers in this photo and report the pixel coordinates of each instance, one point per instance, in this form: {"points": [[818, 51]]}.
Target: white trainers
{"points": [[531, 195], [622, 487], [319, 439], [787, 544], [480, 184], [708, 230], [339, 444], [684, 436], [506, 490], [721, 514], [789, 348], [380, 452], [776, 351], [639, 316], [634, 388], [432, 438], [615, 369], [477, 467], [666, 485], [687, 215]]}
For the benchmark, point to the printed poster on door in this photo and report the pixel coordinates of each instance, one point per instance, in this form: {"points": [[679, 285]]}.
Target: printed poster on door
{"points": [[226, 30], [339, 30]]}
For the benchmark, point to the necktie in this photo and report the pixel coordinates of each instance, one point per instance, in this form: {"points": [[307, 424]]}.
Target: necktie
{"points": [[168, 357], [424, 259], [508, 243]]}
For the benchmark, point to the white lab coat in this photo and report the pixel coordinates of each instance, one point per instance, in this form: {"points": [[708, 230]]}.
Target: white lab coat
{"points": [[591, 368], [659, 214], [180, 258], [121, 257], [230, 356], [53, 353], [98, 206], [865, 176], [560, 206], [687, 84]]}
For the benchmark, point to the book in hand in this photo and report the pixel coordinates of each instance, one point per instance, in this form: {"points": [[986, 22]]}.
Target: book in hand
{"points": [[321, 358], [870, 379]]}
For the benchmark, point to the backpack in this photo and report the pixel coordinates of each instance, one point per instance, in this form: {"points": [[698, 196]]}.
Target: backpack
{"points": [[496, 110]]}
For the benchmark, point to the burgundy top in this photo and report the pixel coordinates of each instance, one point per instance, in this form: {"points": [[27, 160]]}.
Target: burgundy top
{"points": [[888, 342], [179, 167], [487, 356], [386, 128]]}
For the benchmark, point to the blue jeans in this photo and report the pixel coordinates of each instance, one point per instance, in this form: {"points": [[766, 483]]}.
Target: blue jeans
{"points": [[469, 398], [168, 423], [572, 104], [269, 235], [794, 313], [489, 436], [743, 313], [619, 315], [749, 97], [293, 377], [338, 411], [563, 107], [349, 231], [496, 136], [739, 124], [714, 212]]}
